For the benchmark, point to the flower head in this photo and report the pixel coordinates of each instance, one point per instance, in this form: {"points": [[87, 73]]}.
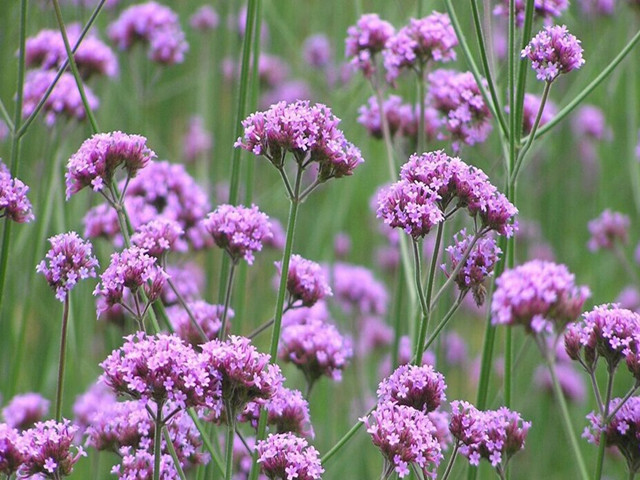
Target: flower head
{"points": [[609, 228], [415, 386], [208, 317], [589, 122], [10, 455], [286, 456], [95, 163], [553, 51], [204, 19], [70, 259], [240, 231], [357, 290], [14, 203], [530, 109], [158, 236], [542, 9], [365, 39], [317, 50], [25, 409], [306, 281]]}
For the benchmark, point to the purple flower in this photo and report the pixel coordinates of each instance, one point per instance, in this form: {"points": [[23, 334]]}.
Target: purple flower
{"points": [[119, 424], [542, 9], [365, 39], [424, 39], [590, 123], [357, 290], [404, 436], [530, 111], [287, 411], [132, 269], [316, 348], [400, 117], [14, 203], [206, 315], [457, 96], [478, 265], [286, 456], [155, 24], [188, 278], [97, 398], [240, 231], [374, 334], [10, 455], [244, 373], [571, 382], [309, 132], [47, 51], [494, 435], [541, 296], [24, 410], [158, 369], [609, 332], [419, 387], [95, 163], [204, 19], [597, 7], [622, 432], [47, 449], [306, 281], [64, 99], [609, 228], [158, 237], [272, 70], [303, 315], [553, 51], [317, 51], [70, 259], [197, 141]]}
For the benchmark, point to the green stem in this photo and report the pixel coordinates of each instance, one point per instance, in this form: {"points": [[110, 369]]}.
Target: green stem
{"points": [[397, 323], [227, 299], [231, 431], [522, 72], [424, 318], [6, 117], [452, 460], [605, 421], [183, 304], [206, 442], [172, 452], [421, 109], [444, 321], [157, 442], [61, 362], [622, 402], [342, 442]]}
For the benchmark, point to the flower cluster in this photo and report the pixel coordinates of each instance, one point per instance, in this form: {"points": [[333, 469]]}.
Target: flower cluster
{"points": [[478, 265], [47, 51], [14, 203], [95, 163], [402, 118], [541, 296], [553, 51], [424, 39], [10, 455], [204, 19], [306, 281], [530, 110], [590, 123], [70, 259], [317, 51], [244, 373], [160, 368], [197, 141], [458, 97], [286, 456], [405, 436], [47, 450], [365, 39], [495, 435], [418, 387], [25, 410], [316, 348], [158, 236], [609, 228], [608, 332], [64, 98], [207, 316], [157, 25], [309, 132], [238, 230], [542, 9]]}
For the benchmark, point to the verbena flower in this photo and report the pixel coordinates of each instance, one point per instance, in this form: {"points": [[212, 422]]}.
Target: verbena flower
{"points": [[239, 230], [25, 409], [207, 316], [598, 7], [158, 237], [315, 348], [204, 19], [287, 457], [308, 131], [570, 380], [541, 296], [306, 281], [95, 163], [316, 51], [188, 278], [357, 290], [542, 9], [14, 203], [156, 25], [399, 116], [553, 51], [623, 432], [64, 99], [47, 450], [197, 142], [70, 259], [287, 411], [97, 398], [607, 229], [431, 38], [419, 387], [365, 39], [589, 122], [244, 373], [495, 435], [10, 455], [298, 316], [405, 436], [158, 369], [46, 50]]}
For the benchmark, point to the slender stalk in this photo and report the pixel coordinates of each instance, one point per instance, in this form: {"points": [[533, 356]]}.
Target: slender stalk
{"points": [[186, 308], [564, 410], [61, 362], [632, 474], [386, 132], [172, 452], [7, 118], [452, 460], [227, 299], [421, 109], [157, 442], [622, 402], [205, 440], [605, 420], [424, 318], [444, 321], [341, 443], [596, 391], [231, 431], [397, 323]]}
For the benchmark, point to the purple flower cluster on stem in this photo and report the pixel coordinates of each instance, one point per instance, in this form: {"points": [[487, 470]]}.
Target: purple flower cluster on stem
{"points": [[553, 51], [14, 203], [284, 456]]}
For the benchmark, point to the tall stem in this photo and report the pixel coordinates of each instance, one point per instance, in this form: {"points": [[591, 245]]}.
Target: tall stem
{"points": [[421, 109], [424, 318], [452, 460], [172, 452], [157, 442], [227, 299], [231, 431], [605, 422], [61, 362]]}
